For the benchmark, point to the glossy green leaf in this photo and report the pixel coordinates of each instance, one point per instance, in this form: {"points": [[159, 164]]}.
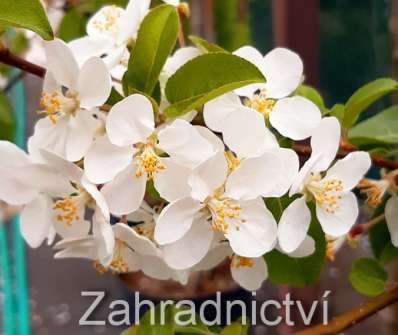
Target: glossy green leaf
{"points": [[297, 272], [72, 26], [311, 94], [338, 112], [381, 128], [207, 77], [155, 41], [27, 14], [204, 45], [364, 97], [368, 277], [7, 121]]}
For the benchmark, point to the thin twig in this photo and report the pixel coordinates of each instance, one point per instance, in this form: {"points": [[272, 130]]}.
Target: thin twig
{"points": [[8, 58], [354, 316], [364, 227]]}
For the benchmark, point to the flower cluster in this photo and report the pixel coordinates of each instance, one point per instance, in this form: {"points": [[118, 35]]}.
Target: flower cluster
{"points": [[132, 190]]}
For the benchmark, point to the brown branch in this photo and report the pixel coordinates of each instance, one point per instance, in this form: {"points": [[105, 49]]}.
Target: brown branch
{"points": [[8, 58], [354, 316], [304, 150]]}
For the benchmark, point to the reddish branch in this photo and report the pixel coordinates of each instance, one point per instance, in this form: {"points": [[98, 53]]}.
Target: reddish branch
{"points": [[354, 316], [8, 58]]}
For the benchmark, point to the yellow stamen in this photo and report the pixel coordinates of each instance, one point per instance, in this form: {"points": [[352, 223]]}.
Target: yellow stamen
{"points": [[233, 161], [108, 20], [261, 103], [68, 211], [99, 268], [55, 104], [223, 210], [374, 190], [326, 193], [241, 262], [149, 162], [118, 265]]}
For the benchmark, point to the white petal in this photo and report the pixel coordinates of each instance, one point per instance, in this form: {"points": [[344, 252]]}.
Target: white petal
{"points": [[36, 220], [78, 229], [13, 191], [50, 85], [293, 225], [97, 197], [62, 63], [104, 238], [255, 57], [80, 135], [325, 140], [105, 23], [351, 169], [212, 138], [184, 144], [304, 174], [172, 182], [179, 58], [136, 242], [295, 117], [132, 260], [208, 176], [191, 248], [125, 193], [217, 110], [94, 83], [341, 221], [105, 160], [392, 219], [257, 235], [215, 256], [245, 133], [283, 70], [70, 170], [12, 156], [131, 19], [172, 2], [257, 176], [250, 277], [130, 121], [307, 248], [86, 47], [175, 220], [155, 267]]}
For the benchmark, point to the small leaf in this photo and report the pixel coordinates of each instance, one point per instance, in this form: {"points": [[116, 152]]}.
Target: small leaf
{"points": [[366, 96], [205, 46], [237, 328], [146, 327], [311, 94], [297, 272], [27, 14], [155, 41], [7, 121], [207, 77], [338, 112], [381, 128], [368, 277], [72, 26]]}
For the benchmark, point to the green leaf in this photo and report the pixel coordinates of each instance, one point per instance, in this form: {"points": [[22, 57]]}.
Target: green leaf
{"points": [[298, 272], [114, 97], [146, 327], [27, 14], [156, 39], [311, 94], [368, 277], [381, 128], [7, 121], [207, 77], [338, 112], [366, 96], [205, 46], [237, 328], [72, 26]]}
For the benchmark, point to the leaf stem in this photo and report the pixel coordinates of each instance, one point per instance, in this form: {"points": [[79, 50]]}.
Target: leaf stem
{"points": [[354, 316]]}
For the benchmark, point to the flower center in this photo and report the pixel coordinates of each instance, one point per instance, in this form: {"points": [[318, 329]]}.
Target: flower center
{"points": [[118, 265], [56, 104], [108, 20], [232, 160], [223, 210], [67, 211], [241, 262], [374, 190], [261, 103], [149, 162], [326, 193]]}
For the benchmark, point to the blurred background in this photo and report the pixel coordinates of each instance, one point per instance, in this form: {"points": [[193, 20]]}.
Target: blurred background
{"points": [[344, 44]]}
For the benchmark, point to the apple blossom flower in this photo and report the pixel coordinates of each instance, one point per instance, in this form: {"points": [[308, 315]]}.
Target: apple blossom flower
{"points": [[209, 210], [69, 95], [293, 117], [130, 155], [336, 205]]}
